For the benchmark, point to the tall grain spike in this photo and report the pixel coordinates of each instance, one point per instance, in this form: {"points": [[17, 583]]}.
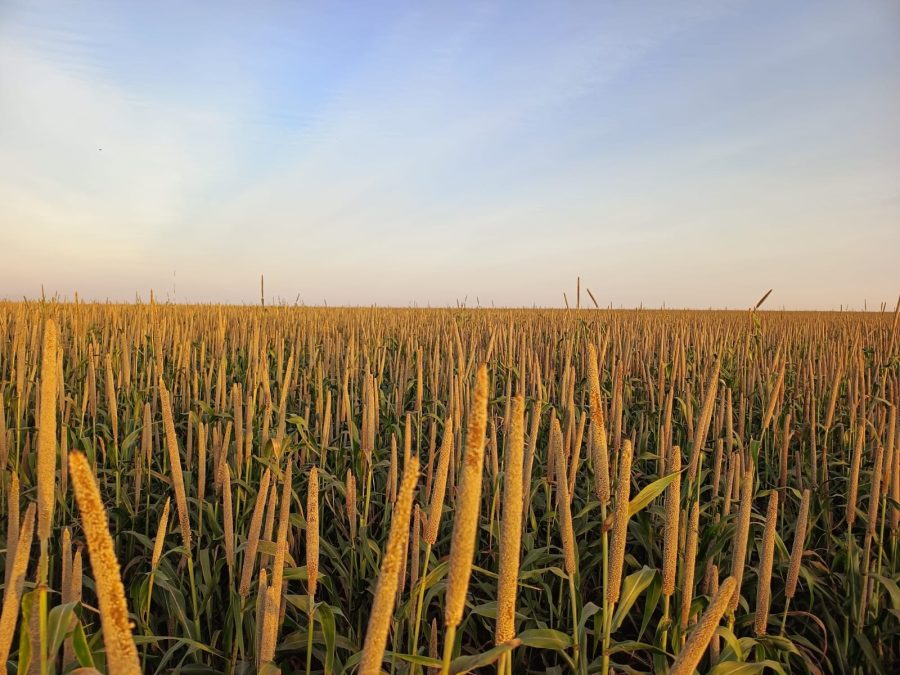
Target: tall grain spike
{"points": [[160, 535], [46, 452], [562, 498], [767, 557], [312, 532], [121, 653], [620, 525], [465, 525], [511, 526], [741, 533], [670, 536], [253, 535], [855, 462], [690, 561], [12, 517], [436, 505], [12, 596], [706, 412], [350, 498], [598, 430], [389, 575], [175, 466], [696, 645], [790, 586]]}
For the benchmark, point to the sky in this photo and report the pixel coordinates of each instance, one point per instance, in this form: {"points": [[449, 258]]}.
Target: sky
{"points": [[692, 154]]}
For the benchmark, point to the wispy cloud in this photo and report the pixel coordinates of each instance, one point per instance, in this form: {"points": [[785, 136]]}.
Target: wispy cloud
{"points": [[686, 154]]}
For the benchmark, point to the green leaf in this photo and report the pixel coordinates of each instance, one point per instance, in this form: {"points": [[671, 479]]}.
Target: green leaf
{"points": [[28, 602], [59, 623], [733, 643], [653, 594], [589, 610], [417, 659], [871, 656], [773, 665], [754, 451], [651, 492], [463, 664], [736, 668], [179, 642], [892, 589], [326, 620], [81, 648], [779, 643], [487, 609], [545, 638], [630, 646], [632, 588]]}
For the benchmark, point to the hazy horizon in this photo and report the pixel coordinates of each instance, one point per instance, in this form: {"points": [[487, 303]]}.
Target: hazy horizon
{"points": [[566, 303], [692, 154]]}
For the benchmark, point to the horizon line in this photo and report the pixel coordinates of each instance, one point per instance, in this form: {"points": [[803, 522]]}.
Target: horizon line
{"points": [[882, 308]]}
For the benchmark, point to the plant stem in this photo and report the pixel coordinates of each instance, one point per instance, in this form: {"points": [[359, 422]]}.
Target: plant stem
{"points": [[309, 638], [42, 619], [414, 649], [604, 667], [787, 603], [573, 602], [664, 638], [449, 639], [190, 564]]}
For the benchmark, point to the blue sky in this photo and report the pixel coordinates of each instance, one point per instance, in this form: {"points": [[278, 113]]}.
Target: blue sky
{"points": [[693, 154]]}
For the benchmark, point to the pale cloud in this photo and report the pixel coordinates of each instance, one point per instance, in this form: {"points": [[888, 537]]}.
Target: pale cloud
{"points": [[91, 178], [688, 154]]}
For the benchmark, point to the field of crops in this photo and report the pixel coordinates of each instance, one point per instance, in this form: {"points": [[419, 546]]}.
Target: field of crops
{"points": [[237, 489]]}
